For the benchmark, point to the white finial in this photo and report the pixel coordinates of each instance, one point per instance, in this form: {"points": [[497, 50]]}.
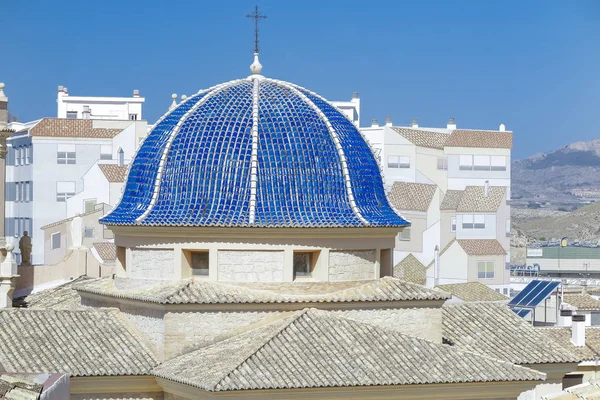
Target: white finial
{"points": [[183, 97], [174, 103], [256, 66], [2, 95], [502, 128]]}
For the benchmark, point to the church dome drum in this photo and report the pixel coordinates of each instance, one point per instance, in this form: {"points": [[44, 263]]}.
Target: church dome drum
{"points": [[254, 152]]}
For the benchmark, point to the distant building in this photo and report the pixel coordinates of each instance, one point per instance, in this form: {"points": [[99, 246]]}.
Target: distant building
{"points": [[89, 107], [565, 262]]}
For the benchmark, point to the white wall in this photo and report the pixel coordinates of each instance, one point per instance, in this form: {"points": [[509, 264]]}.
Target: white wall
{"points": [[95, 186], [489, 232], [454, 265], [115, 108]]}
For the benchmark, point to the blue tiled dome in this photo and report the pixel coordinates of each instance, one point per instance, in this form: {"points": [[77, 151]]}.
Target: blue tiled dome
{"points": [[254, 152]]}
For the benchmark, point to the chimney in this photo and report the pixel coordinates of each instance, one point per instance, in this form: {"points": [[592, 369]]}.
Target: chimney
{"points": [[502, 128], [414, 123], [374, 123], [388, 121], [486, 189], [451, 124], [3, 108], [578, 330], [174, 103], [86, 113], [63, 90], [436, 264], [354, 95], [120, 157], [136, 93]]}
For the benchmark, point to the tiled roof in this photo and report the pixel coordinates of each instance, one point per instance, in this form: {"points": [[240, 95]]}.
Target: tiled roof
{"points": [[494, 330], [62, 297], [331, 351], [98, 209], [481, 139], [106, 250], [15, 388], [582, 302], [410, 269], [410, 196], [562, 335], [190, 291], [113, 172], [482, 247], [423, 138], [79, 343], [451, 199], [595, 290], [472, 291], [473, 199], [73, 128], [310, 168], [589, 390]]}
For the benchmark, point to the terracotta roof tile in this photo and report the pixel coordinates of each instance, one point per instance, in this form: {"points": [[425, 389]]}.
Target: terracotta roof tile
{"points": [[423, 138], [332, 351], [482, 247], [474, 200], [106, 250], [410, 196], [472, 291], [451, 199], [113, 172], [75, 128], [481, 139], [410, 269]]}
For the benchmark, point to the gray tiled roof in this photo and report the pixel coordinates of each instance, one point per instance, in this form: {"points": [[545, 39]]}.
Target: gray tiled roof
{"points": [[313, 348], [562, 335], [78, 343], [494, 330], [423, 138], [472, 291], [410, 269], [451, 199], [190, 291], [106, 250], [582, 302], [480, 139], [15, 388], [474, 200], [482, 247], [410, 196], [589, 390], [62, 297]]}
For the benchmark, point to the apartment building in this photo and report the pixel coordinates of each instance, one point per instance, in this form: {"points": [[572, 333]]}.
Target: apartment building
{"points": [[48, 158]]}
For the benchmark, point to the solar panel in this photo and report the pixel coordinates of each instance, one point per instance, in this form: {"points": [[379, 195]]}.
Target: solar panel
{"points": [[533, 294], [522, 312]]}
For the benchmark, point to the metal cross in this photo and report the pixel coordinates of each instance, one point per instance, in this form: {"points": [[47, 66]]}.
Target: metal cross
{"points": [[256, 16]]}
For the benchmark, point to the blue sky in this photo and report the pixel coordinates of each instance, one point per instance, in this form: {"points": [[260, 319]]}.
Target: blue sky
{"points": [[533, 65]]}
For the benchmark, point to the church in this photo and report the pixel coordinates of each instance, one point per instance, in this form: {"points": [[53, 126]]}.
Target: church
{"points": [[254, 249]]}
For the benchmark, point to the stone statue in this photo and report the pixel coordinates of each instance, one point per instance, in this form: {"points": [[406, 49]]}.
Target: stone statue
{"points": [[76, 232], [25, 247]]}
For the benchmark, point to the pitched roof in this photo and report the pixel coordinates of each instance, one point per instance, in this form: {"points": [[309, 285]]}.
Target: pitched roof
{"points": [[73, 128], [62, 297], [582, 302], [190, 291], [423, 138], [100, 208], [481, 139], [482, 247], [113, 172], [106, 250], [451, 199], [589, 390], [410, 269], [97, 342], [494, 330], [411, 196], [472, 291], [474, 200], [331, 351], [19, 388], [562, 335]]}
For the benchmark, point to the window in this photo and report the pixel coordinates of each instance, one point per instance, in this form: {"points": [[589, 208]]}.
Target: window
{"points": [[497, 290], [200, 263], [465, 162], [485, 269], [453, 224], [17, 156], [55, 240], [498, 163], [27, 191], [481, 163], [405, 234], [398, 162], [442, 163], [88, 232], [303, 264], [89, 205], [467, 222], [133, 117], [479, 222], [72, 114], [17, 191], [505, 291], [17, 232], [66, 154], [64, 191], [27, 155], [106, 152], [507, 227]]}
